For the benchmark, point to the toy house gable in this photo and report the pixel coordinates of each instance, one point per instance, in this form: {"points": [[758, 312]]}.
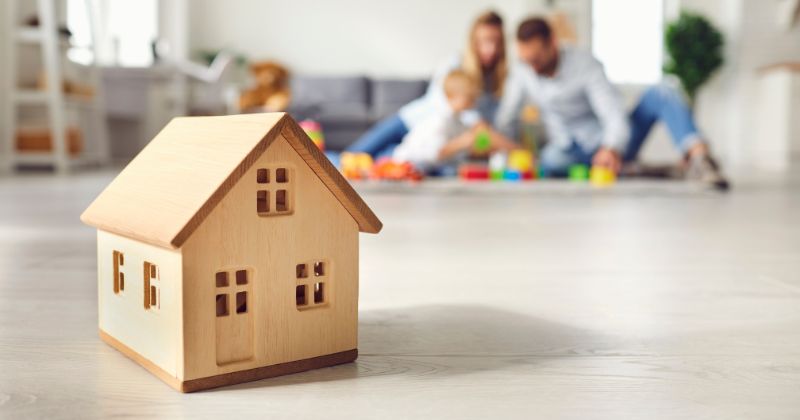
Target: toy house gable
{"points": [[175, 182]]}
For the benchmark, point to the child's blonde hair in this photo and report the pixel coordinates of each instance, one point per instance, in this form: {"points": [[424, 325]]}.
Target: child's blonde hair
{"points": [[460, 82]]}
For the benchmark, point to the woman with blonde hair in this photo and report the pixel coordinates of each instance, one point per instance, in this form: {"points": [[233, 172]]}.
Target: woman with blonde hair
{"points": [[484, 60]]}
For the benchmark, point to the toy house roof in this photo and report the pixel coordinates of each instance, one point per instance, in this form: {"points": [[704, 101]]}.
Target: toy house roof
{"points": [[167, 191]]}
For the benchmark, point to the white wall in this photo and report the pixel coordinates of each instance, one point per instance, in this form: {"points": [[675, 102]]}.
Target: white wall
{"points": [[3, 102], [762, 43], [726, 106], [387, 38]]}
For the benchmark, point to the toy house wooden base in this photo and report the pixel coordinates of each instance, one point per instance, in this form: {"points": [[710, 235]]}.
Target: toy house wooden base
{"points": [[228, 252]]}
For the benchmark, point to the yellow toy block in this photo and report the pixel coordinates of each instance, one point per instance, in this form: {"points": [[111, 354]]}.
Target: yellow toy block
{"points": [[602, 177], [520, 160], [356, 165]]}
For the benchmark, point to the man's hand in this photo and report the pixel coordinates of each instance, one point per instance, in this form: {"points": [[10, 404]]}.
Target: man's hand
{"points": [[501, 142], [607, 158]]}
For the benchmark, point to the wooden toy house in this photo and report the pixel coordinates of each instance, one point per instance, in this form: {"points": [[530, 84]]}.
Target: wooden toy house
{"points": [[228, 252]]}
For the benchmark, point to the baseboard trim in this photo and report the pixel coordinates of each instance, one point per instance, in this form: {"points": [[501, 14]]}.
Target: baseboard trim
{"points": [[232, 378], [271, 371]]}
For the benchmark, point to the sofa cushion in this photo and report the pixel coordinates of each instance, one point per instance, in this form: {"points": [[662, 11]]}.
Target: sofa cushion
{"points": [[332, 97], [346, 106], [388, 95], [338, 137]]}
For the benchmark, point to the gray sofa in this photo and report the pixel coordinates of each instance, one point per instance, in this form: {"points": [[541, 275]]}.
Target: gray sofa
{"points": [[349, 105]]}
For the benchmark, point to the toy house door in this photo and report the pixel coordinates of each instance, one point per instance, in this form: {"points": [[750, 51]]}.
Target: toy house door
{"points": [[234, 325]]}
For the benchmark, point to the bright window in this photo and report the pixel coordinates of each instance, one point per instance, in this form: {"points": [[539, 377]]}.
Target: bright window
{"points": [[129, 27], [627, 37]]}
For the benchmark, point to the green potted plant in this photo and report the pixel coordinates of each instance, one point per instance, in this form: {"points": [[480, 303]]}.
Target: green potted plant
{"points": [[694, 49]]}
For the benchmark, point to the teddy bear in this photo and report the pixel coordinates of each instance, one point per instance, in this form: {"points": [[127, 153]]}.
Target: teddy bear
{"points": [[271, 92]]}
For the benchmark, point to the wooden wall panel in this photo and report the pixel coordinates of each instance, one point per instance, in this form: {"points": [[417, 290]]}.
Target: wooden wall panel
{"points": [[234, 235], [153, 333]]}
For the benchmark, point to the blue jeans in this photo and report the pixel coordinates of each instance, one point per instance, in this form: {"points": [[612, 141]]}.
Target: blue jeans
{"points": [[379, 141], [382, 138], [658, 103]]}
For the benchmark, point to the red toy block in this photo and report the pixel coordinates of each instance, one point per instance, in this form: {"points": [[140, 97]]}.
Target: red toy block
{"points": [[473, 172]]}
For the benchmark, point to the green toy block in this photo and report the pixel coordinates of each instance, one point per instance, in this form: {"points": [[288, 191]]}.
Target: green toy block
{"points": [[482, 141], [578, 172]]}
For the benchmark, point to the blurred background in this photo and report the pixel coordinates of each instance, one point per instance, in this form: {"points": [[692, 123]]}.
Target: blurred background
{"points": [[127, 67]]}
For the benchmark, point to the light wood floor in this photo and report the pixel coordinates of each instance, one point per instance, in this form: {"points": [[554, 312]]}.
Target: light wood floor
{"points": [[550, 300]]}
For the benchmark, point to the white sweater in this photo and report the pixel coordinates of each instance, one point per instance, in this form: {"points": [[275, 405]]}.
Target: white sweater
{"points": [[422, 144]]}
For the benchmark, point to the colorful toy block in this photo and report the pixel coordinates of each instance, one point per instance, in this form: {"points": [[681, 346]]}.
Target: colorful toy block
{"points": [[473, 172], [391, 170], [512, 175], [482, 141], [497, 165], [314, 131], [578, 172], [602, 177], [520, 160], [356, 166]]}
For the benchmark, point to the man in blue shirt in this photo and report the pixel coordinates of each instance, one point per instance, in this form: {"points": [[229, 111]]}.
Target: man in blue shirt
{"points": [[583, 112]]}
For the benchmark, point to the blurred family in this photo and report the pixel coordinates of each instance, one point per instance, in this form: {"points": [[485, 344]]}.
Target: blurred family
{"points": [[584, 117]]}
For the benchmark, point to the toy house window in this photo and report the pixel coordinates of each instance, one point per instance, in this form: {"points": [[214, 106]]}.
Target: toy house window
{"points": [[262, 176], [241, 302], [281, 176], [300, 293], [311, 284], [233, 287], [319, 292], [222, 279], [152, 286], [274, 195], [119, 276], [262, 202], [222, 305]]}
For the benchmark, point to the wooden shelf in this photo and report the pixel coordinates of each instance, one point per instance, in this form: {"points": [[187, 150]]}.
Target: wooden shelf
{"points": [[39, 97], [35, 36], [51, 43], [29, 34], [47, 158]]}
